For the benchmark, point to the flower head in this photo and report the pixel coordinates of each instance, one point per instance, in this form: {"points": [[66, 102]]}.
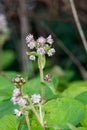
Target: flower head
{"points": [[49, 40], [16, 92], [22, 102], [29, 38], [32, 44], [51, 52], [17, 112], [41, 46], [41, 40], [41, 50], [14, 100], [35, 98]]}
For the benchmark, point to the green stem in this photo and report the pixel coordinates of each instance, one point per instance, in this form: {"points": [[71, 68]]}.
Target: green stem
{"points": [[35, 112], [43, 88], [41, 76], [41, 116], [28, 122]]}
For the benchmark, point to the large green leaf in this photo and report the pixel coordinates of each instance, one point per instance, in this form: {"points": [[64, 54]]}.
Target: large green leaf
{"points": [[84, 121], [75, 89], [35, 124], [8, 122], [53, 85], [59, 112], [82, 97], [6, 108], [6, 86], [34, 86]]}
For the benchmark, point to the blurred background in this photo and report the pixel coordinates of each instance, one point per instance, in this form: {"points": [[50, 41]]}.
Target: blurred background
{"points": [[18, 18]]}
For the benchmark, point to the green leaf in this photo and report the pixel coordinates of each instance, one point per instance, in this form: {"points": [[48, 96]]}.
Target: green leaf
{"points": [[34, 86], [6, 108], [63, 111], [31, 53], [6, 86], [52, 85], [21, 123], [84, 120], [8, 122], [82, 97], [24, 127], [55, 81], [75, 89], [35, 125]]}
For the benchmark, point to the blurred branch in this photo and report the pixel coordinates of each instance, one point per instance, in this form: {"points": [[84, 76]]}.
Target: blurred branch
{"points": [[69, 53], [78, 24], [25, 29]]}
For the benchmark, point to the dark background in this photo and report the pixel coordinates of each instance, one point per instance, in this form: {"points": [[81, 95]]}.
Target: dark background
{"points": [[41, 18]]}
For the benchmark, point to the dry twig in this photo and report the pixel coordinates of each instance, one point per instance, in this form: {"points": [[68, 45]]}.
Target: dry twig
{"points": [[75, 15]]}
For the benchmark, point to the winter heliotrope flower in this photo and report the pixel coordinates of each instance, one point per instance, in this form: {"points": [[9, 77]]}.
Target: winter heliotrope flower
{"points": [[40, 46], [35, 98]]}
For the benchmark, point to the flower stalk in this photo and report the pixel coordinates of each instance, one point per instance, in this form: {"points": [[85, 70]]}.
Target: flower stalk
{"points": [[41, 114], [35, 112], [41, 64], [28, 121]]}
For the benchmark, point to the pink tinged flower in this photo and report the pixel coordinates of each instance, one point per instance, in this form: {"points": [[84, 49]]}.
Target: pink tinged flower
{"points": [[17, 112], [32, 57], [14, 100], [22, 102], [51, 52], [35, 98], [49, 39], [41, 40], [40, 50], [16, 92], [31, 44], [29, 38]]}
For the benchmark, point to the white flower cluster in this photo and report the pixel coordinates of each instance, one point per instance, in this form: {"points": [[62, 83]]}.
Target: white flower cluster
{"points": [[3, 23], [36, 98], [18, 99], [41, 45], [17, 112]]}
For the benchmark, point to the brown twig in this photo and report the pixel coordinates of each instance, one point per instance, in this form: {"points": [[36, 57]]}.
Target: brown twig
{"points": [[75, 15]]}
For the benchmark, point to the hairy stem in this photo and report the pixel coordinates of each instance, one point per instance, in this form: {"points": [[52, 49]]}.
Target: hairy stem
{"points": [[42, 77], [41, 116], [35, 112], [43, 89], [28, 122]]}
